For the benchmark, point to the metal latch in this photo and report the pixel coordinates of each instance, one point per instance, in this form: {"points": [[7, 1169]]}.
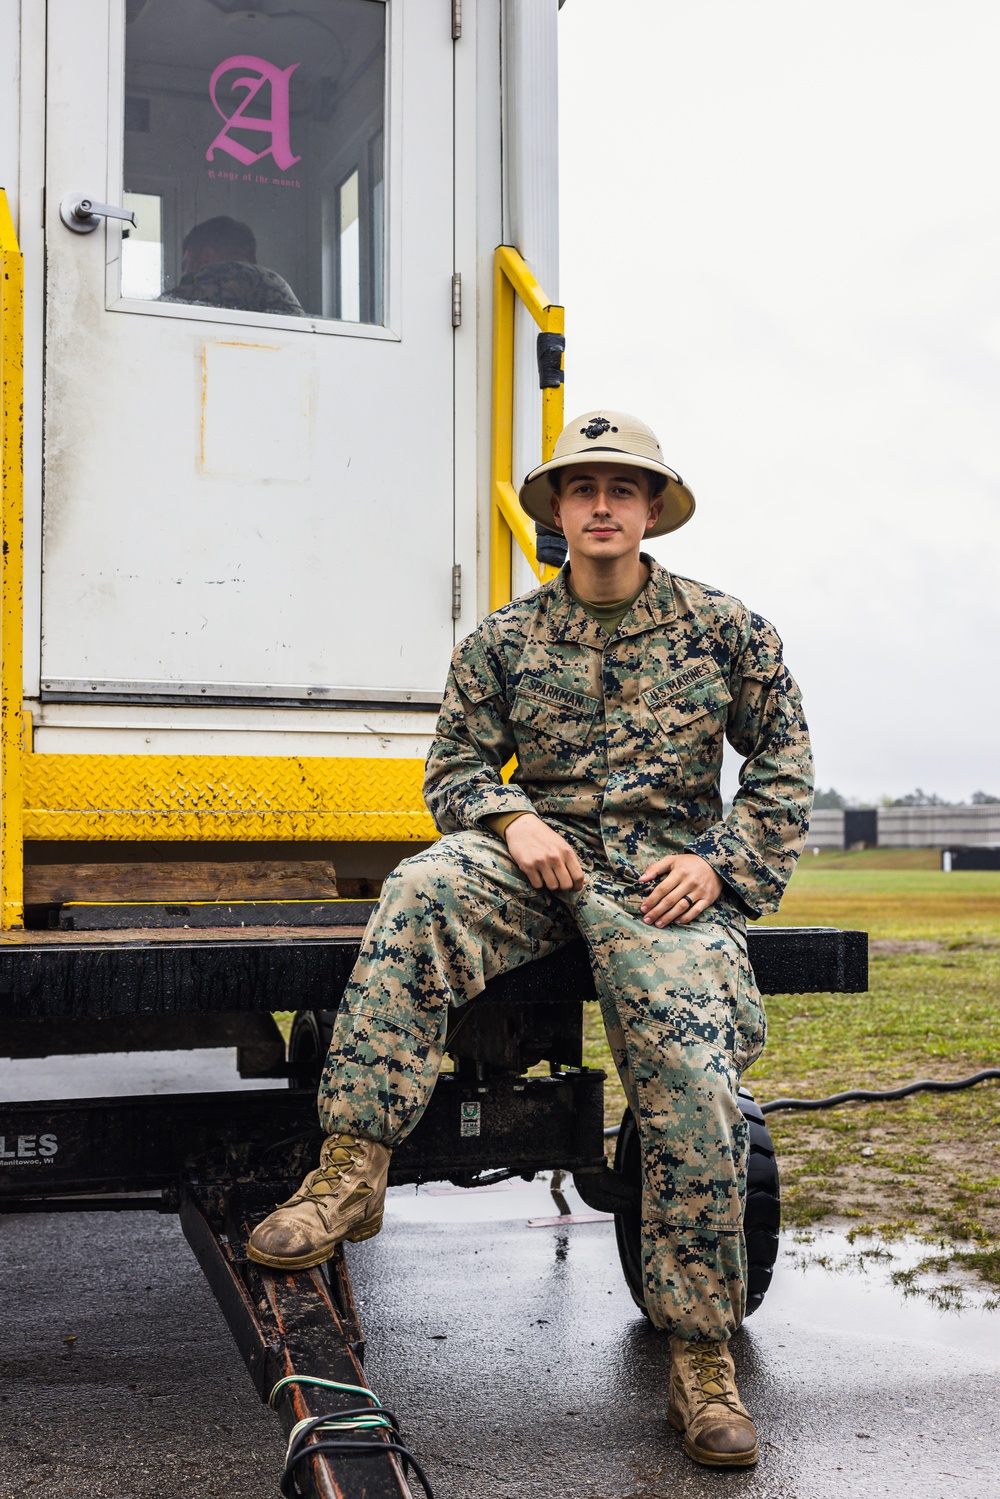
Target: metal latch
{"points": [[82, 214]]}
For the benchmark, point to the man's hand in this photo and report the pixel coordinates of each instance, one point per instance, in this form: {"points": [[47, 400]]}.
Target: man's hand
{"points": [[687, 875], [543, 854]]}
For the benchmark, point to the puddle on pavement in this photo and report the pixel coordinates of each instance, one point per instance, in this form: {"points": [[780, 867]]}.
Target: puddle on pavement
{"points": [[501, 1202], [823, 1278], [919, 1269]]}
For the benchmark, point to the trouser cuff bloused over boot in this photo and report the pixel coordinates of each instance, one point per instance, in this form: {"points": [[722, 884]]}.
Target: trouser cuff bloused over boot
{"points": [[682, 1014]]}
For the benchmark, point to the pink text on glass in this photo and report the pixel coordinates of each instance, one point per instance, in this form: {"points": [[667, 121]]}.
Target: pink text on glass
{"points": [[278, 126]]}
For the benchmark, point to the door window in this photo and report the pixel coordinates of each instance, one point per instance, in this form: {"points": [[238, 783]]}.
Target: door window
{"points": [[254, 156]]}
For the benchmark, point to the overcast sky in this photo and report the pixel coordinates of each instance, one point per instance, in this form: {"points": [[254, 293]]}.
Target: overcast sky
{"points": [[781, 246]]}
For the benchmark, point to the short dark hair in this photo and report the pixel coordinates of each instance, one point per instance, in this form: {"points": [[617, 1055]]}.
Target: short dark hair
{"points": [[227, 235]]}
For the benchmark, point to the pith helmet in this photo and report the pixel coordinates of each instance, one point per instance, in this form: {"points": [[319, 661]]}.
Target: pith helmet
{"points": [[605, 436]]}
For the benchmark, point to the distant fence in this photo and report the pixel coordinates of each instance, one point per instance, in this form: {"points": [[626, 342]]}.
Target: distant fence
{"points": [[907, 827]]}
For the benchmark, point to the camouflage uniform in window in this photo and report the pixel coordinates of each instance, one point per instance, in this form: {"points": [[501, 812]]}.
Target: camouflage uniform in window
{"points": [[618, 742], [239, 285]]}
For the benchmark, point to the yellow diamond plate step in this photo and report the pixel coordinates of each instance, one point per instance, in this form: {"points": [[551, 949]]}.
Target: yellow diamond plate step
{"points": [[212, 797]]}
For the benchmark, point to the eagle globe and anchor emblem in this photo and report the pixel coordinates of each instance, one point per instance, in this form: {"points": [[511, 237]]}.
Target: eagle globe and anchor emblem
{"points": [[597, 427]]}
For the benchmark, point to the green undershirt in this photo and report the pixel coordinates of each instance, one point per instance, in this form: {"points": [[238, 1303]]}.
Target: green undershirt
{"points": [[609, 617]]}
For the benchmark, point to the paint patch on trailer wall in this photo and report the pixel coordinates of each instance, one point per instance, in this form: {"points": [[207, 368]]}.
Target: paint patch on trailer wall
{"points": [[256, 413]]}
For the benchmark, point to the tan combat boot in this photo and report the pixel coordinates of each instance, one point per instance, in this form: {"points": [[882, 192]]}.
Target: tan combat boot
{"points": [[705, 1404], [343, 1198]]}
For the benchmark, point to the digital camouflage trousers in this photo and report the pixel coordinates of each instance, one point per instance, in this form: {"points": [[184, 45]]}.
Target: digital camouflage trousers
{"points": [[683, 1019]]}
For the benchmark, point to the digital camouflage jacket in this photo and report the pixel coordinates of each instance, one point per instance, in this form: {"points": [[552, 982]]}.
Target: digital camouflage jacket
{"points": [[237, 284], [618, 739]]}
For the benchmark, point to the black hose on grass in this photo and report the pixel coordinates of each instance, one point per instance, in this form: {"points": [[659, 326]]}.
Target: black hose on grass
{"points": [[866, 1095], [871, 1095]]}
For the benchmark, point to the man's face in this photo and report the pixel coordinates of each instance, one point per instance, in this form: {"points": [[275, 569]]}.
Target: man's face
{"points": [[604, 509]]}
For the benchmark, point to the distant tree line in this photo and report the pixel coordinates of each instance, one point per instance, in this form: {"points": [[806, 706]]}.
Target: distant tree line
{"points": [[832, 800]]}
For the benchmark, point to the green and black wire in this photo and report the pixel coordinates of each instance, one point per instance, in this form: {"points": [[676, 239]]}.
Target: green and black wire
{"points": [[342, 1433]]}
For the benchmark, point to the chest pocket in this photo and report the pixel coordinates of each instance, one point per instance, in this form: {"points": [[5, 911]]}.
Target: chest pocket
{"points": [[544, 711], [693, 718]]}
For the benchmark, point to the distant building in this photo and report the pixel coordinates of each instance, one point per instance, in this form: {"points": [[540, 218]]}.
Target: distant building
{"points": [[907, 827]]}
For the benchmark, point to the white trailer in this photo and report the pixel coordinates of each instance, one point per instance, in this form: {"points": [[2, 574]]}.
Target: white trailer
{"points": [[269, 411]]}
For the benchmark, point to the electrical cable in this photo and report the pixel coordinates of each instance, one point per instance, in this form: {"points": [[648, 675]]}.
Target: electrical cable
{"points": [[872, 1095], [864, 1095], [339, 1432], [323, 1384], [358, 1418], [345, 1448]]}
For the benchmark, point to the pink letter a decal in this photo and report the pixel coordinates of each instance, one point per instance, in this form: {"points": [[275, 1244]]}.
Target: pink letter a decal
{"points": [[278, 126]]}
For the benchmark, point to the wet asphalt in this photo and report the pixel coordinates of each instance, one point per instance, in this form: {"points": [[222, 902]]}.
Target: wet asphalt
{"points": [[512, 1353]]}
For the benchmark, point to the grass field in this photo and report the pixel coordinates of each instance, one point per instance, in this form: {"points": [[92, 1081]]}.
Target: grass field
{"points": [[928, 1165]]}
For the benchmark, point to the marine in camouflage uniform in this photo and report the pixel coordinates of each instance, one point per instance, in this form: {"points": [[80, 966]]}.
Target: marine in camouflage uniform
{"points": [[619, 743], [613, 687]]}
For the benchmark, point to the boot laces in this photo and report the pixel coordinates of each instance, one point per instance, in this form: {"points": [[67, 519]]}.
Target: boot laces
{"points": [[712, 1377], [327, 1178]]}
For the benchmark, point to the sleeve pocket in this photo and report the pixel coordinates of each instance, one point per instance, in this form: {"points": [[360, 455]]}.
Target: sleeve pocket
{"points": [[473, 674]]}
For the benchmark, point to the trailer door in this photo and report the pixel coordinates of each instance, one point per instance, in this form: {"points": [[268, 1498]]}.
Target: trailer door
{"points": [[249, 445]]}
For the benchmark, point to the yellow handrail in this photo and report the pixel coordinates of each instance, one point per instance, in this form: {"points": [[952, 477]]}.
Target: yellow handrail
{"points": [[508, 522], [11, 572]]}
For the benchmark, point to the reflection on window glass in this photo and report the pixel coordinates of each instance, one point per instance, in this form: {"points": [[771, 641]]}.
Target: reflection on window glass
{"points": [[254, 155], [376, 180], [350, 262], [142, 246]]}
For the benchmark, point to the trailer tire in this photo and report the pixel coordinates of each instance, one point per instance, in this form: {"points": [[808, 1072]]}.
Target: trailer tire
{"points": [[308, 1044], [761, 1216]]}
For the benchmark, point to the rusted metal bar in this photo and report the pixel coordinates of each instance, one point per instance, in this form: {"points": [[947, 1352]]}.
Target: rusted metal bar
{"points": [[290, 1326]]}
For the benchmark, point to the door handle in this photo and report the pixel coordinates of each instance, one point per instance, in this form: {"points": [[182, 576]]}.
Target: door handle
{"points": [[82, 214]]}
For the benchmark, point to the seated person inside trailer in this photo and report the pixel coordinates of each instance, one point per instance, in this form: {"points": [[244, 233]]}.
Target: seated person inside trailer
{"points": [[219, 269]]}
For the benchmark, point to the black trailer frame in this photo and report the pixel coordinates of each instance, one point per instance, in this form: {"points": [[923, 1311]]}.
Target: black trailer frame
{"points": [[221, 1160]]}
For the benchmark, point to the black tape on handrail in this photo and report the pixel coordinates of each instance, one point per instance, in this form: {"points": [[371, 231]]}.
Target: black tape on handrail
{"points": [[550, 349]]}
